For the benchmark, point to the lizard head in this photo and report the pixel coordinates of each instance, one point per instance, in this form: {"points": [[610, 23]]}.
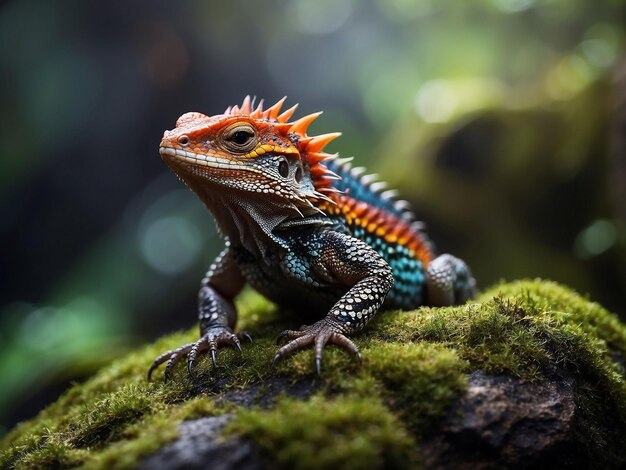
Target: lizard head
{"points": [[249, 150]]}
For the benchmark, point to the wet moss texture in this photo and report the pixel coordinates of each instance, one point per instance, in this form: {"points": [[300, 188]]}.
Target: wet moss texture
{"points": [[415, 365]]}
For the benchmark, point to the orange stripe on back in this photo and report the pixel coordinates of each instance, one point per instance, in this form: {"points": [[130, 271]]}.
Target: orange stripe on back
{"points": [[380, 223]]}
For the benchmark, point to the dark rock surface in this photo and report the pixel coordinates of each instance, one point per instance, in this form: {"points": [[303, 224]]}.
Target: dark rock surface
{"points": [[265, 394], [502, 421], [200, 446]]}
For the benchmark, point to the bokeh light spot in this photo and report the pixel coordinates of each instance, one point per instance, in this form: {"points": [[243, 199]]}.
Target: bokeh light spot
{"points": [[78, 324], [435, 101], [321, 16], [600, 45], [570, 76], [595, 239], [34, 331], [403, 11], [170, 244], [512, 6]]}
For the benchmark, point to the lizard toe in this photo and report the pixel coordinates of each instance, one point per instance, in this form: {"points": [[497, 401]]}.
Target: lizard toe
{"points": [[317, 336], [209, 343], [168, 356]]}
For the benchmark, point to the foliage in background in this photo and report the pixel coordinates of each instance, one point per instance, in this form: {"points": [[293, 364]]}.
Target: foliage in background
{"points": [[492, 116]]}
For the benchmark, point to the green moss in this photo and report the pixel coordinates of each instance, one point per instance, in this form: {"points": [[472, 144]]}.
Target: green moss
{"points": [[148, 435], [90, 418], [490, 336], [419, 380], [414, 366], [342, 432], [566, 307]]}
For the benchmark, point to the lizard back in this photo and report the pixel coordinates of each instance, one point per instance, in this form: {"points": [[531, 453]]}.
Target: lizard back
{"points": [[377, 216]]}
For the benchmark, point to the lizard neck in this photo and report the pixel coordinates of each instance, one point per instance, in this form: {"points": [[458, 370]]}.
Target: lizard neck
{"points": [[252, 221]]}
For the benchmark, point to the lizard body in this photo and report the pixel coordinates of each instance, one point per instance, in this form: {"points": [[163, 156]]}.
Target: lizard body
{"points": [[304, 228]]}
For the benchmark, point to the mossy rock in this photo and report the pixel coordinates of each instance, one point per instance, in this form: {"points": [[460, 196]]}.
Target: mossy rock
{"points": [[530, 373]]}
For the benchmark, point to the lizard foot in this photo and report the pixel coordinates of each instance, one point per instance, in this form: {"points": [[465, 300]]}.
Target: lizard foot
{"points": [[210, 341], [318, 335]]}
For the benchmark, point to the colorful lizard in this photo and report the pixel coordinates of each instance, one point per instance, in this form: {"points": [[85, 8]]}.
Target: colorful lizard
{"points": [[303, 228]]}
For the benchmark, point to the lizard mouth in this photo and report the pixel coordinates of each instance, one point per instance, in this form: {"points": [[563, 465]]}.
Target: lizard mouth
{"points": [[199, 159]]}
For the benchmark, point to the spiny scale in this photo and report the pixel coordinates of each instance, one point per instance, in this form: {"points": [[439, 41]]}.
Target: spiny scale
{"points": [[310, 147], [366, 188], [341, 190]]}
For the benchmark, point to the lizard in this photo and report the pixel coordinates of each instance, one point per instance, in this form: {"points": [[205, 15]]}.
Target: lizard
{"points": [[303, 227]]}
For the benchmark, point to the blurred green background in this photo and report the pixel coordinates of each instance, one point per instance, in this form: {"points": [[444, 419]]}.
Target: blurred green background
{"points": [[502, 121]]}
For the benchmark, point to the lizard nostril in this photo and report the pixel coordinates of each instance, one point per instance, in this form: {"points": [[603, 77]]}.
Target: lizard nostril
{"points": [[183, 140]]}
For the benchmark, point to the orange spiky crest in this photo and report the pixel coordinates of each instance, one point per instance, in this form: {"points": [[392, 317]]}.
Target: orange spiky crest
{"points": [[310, 147]]}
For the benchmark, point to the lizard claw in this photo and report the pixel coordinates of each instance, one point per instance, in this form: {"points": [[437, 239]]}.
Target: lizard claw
{"points": [[209, 342], [171, 357], [318, 335], [289, 334], [244, 335], [274, 361], [214, 354]]}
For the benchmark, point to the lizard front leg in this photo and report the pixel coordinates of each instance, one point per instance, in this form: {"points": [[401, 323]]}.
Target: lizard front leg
{"points": [[345, 262], [217, 315]]}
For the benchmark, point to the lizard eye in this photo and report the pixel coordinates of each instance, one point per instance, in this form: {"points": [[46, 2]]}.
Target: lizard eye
{"points": [[283, 168], [241, 138]]}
